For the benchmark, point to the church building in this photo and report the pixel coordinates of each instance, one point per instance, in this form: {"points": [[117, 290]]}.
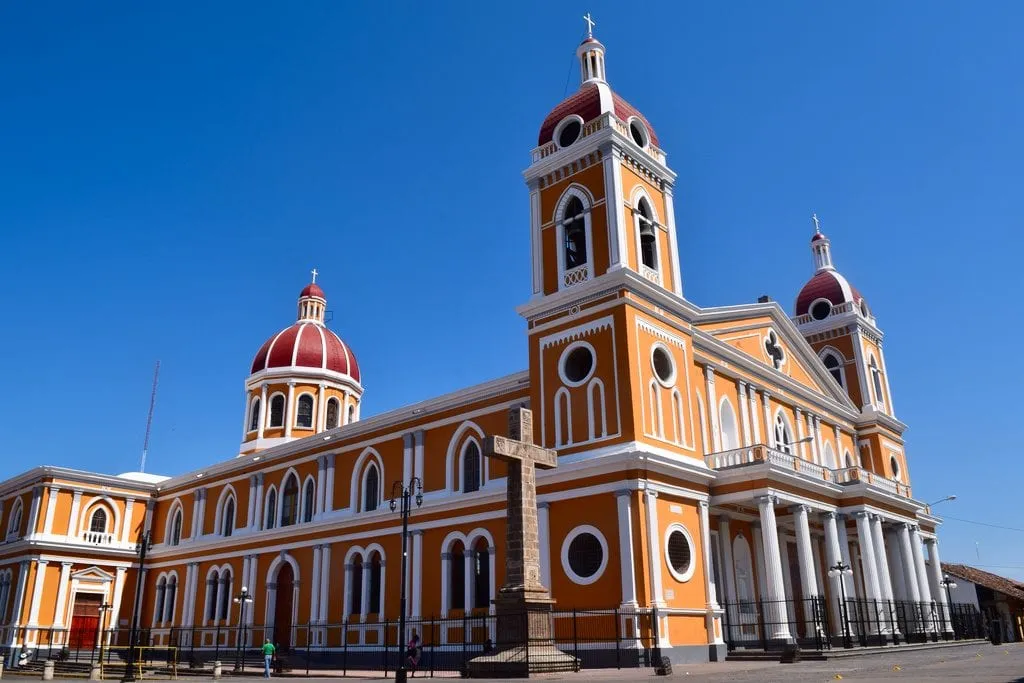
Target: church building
{"points": [[713, 463]]}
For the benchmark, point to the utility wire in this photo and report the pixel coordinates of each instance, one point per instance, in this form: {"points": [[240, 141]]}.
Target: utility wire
{"points": [[994, 526]]}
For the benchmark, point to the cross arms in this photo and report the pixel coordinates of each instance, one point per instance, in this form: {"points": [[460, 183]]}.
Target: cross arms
{"points": [[510, 450]]}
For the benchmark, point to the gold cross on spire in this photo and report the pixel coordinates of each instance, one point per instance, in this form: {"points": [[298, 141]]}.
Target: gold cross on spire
{"points": [[590, 25], [315, 272]]}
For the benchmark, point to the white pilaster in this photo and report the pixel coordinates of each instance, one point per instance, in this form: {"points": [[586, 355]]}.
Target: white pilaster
{"points": [[673, 240], [654, 546], [417, 450], [769, 426], [289, 410], [321, 405], [120, 576], [741, 387], [51, 507], [200, 514], [257, 513], [19, 596], [775, 594], [329, 489], [321, 483], [935, 582], [761, 571], [712, 396], [62, 595], [627, 568], [251, 502], [263, 411], [33, 515], [37, 593], [535, 238], [467, 558], [614, 210], [799, 415], [417, 573], [126, 523], [406, 459], [728, 568], [819, 453], [710, 589], [76, 506], [314, 587], [834, 555], [862, 374], [544, 540], [922, 572], [755, 430]]}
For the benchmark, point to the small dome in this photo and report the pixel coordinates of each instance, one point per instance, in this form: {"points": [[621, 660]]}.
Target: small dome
{"points": [[589, 102], [307, 345], [313, 289], [826, 284], [817, 236]]}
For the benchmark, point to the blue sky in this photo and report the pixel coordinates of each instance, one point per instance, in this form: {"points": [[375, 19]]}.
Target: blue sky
{"points": [[171, 172]]}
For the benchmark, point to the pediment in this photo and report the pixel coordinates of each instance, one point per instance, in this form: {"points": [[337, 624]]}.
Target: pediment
{"points": [[94, 574]]}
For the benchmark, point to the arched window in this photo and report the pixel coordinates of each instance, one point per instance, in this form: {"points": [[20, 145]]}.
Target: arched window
{"points": [[98, 523], [227, 519], [727, 426], [356, 586], [834, 365], [648, 234], [304, 414], [277, 410], [876, 380], [371, 488], [783, 435], [290, 500], [172, 594], [161, 593], [574, 230], [211, 595], [457, 576], [308, 493], [254, 415], [224, 595], [351, 414], [14, 526], [376, 574], [175, 538], [333, 413], [270, 518], [828, 456], [848, 460], [471, 468], [5, 594], [481, 575]]}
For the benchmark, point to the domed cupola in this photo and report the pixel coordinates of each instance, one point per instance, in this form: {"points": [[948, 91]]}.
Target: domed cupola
{"points": [[303, 380], [827, 293]]}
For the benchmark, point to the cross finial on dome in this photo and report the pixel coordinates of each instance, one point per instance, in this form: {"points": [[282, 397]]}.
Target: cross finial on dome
{"points": [[814, 218], [314, 272], [590, 24]]}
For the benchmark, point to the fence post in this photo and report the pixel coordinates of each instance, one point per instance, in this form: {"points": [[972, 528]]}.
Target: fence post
{"points": [[618, 640], [575, 637], [655, 626], [464, 658], [433, 641], [344, 647], [386, 625]]}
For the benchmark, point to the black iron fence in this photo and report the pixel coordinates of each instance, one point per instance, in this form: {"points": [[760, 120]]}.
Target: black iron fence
{"points": [[820, 624]]}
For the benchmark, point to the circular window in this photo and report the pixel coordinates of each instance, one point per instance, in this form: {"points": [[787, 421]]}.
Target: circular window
{"points": [[584, 554], [638, 132], [569, 131], [577, 364], [664, 366], [820, 309], [679, 552], [895, 465]]}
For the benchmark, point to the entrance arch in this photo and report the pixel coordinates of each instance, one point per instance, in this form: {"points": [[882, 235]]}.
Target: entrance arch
{"points": [[283, 607]]}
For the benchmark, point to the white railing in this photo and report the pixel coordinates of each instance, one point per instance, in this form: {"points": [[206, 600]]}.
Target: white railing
{"points": [[848, 307], [576, 275], [97, 538], [651, 274], [760, 454], [606, 120]]}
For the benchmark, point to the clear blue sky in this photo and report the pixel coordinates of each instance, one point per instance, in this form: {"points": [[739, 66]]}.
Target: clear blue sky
{"points": [[171, 171]]}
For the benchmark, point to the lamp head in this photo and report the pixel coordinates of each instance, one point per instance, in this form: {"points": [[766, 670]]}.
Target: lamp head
{"points": [[393, 505]]}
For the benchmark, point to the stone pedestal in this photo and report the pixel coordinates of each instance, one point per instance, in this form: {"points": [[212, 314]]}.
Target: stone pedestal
{"points": [[525, 639]]}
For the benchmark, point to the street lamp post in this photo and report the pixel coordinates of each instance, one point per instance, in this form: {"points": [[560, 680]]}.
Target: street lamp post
{"points": [[141, 547], [942, 500], [405, 493], [242, 599], [842, 569], [949, 583]]}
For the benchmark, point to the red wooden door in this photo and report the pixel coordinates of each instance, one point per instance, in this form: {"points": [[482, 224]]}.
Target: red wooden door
{"points": [[85, 621], [283, 607]]}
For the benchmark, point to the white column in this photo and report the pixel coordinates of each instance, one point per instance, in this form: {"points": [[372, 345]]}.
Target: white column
{"points": [[787, 576], [728, 569], [775, 594], [51, 507], [289, 410], [673, 240], [346, 609], [544, 540], [769, 428], [627, 568], [201, 514], [744, 413], [344, 407], [314, 587], [762, 585], [900, 587], [755, 430], [613, 206], [62, 594], [710, 589], [869, 567], [19, 595], [320, 408], [922, 572], [935, 582], [321, 482], [537, 259], [37, 593], [251, 501], [329, 489], [417, 573], [33, 515], [907, 557], [654, 546], [818, 447], [263, 411], [716, 434], [417, 446], [126, 524], [120, 576], [76, 506], [257, 512], [195, 513], [406, 459], [804, 551], [446, 563], [882, 560], [467, 558], [834, 555], [799, 415]]}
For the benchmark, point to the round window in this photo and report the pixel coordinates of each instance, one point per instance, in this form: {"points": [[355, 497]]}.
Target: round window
{"points": [[679, 552], [570, 132], [821, 309], [664, 367], [577, 364], [638, 133], [895, 465], [584, 555]]}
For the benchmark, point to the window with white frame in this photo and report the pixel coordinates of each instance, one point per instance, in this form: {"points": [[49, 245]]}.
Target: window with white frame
{"points": [[171, 596], [727, 425], [304, 412], [270, 511], [308, 500], [584, 554], [212, 582], [783, 434], [277, 410], [224, 595], [471, 469], [456, 576], [679, 552], [375, 584], [876, 381], [647, 234], [355, 580], [834, 364], [254, 415], [574, 234], [290, 500], [371, 488], [14, 524], [333, 413], [174, 536], [98, 521], [161, 594], [227, 516]]}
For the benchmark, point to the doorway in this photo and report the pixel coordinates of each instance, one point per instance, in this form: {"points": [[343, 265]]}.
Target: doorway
{"points": [[85, 621], [283, 607]]}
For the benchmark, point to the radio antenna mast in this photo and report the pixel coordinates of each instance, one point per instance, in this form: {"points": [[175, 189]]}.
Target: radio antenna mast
{"points": [[149, 420]]}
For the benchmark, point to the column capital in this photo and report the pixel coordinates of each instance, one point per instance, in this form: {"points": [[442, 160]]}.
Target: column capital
{"points": [[42, 562], [292, 383], [543, 505], [830, 514], [407, 440], [703, 505], [650, 493], [418, 437], [861, 514], [709, 372], [66, 564], [621, 493], [724, 517], [419, 532], [54, 488], [800, 507], [766, 394], [770, 499]]}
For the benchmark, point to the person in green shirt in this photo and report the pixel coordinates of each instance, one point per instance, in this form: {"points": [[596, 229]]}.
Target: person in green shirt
{"points": [[268, 655]]}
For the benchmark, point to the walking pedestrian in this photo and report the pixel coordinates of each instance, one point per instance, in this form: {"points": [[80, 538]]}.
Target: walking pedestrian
{"points": [[268, 655]]}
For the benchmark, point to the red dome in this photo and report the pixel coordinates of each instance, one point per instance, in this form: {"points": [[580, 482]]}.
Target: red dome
{"points": [[817, 236], [313, 289], [826, 284], [589, 102], [307, 345]]}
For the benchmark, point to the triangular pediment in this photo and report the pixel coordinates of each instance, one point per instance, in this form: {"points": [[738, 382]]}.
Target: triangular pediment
{"points": [[763, 333], [93, 573]]}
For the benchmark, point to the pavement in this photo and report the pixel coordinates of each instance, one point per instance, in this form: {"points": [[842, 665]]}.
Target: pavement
{"points": [[971, 664]]}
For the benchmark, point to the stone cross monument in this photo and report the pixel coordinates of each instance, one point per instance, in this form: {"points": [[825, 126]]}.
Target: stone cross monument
{"points": [[523, 603]]}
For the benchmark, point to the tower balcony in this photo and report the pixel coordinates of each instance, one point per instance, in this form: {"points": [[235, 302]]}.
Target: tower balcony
{"points": [[766, 460]]}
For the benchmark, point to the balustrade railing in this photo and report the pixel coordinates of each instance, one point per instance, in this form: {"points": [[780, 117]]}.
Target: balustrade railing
{"points": [[576, 275], [97, 538]]}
